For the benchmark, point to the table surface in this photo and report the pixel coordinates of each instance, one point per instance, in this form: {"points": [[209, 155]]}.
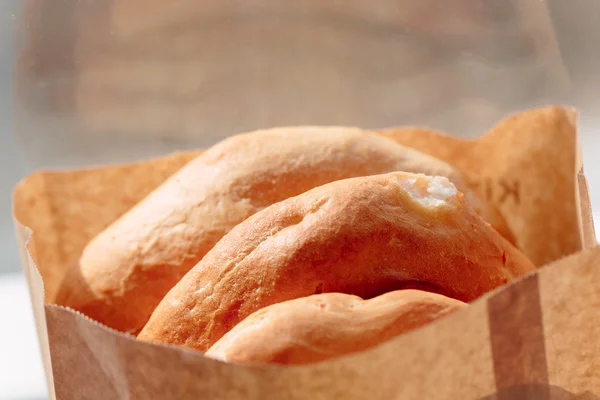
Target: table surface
{"points": [[21, 372]]}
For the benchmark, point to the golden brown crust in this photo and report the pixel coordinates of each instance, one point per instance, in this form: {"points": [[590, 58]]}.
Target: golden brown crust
{"points": [[127, 269], [362, 236], [328, 325]]}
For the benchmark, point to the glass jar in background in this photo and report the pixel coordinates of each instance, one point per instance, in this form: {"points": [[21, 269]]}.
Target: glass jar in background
{"points": [[118, 80]]}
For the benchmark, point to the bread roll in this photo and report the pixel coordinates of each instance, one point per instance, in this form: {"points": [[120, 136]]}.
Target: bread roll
{"points": [[324, 326], [127, 269], [363, 236]]}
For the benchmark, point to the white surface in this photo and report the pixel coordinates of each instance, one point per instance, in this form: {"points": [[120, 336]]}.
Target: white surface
{"points": [[21, 372]]}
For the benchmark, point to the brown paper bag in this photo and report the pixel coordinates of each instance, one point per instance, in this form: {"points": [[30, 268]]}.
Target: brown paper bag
{"points": [[538, 338]]}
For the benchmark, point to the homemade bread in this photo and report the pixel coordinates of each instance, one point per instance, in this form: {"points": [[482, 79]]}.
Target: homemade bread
{"points": [[328, 325], [363, 236], [127, 269]]}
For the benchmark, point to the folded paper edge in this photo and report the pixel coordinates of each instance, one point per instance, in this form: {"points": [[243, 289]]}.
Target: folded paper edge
{"points": [[34, 281], [584, 207], [587, 229]]}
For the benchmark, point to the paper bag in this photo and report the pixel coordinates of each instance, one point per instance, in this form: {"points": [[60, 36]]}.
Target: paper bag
{"points": [[536, 338]]}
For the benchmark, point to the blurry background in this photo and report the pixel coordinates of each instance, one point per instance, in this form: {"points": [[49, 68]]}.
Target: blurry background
{"points": [[102, 81]]}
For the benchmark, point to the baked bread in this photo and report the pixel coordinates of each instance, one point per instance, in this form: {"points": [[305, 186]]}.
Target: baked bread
{"points": [[127, 269], [363, 236], [324, 326]]}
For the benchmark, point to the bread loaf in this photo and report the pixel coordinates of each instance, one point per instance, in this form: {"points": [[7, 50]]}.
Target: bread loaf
{"points": [[127, 269], [363, 236], [324, 326]]}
